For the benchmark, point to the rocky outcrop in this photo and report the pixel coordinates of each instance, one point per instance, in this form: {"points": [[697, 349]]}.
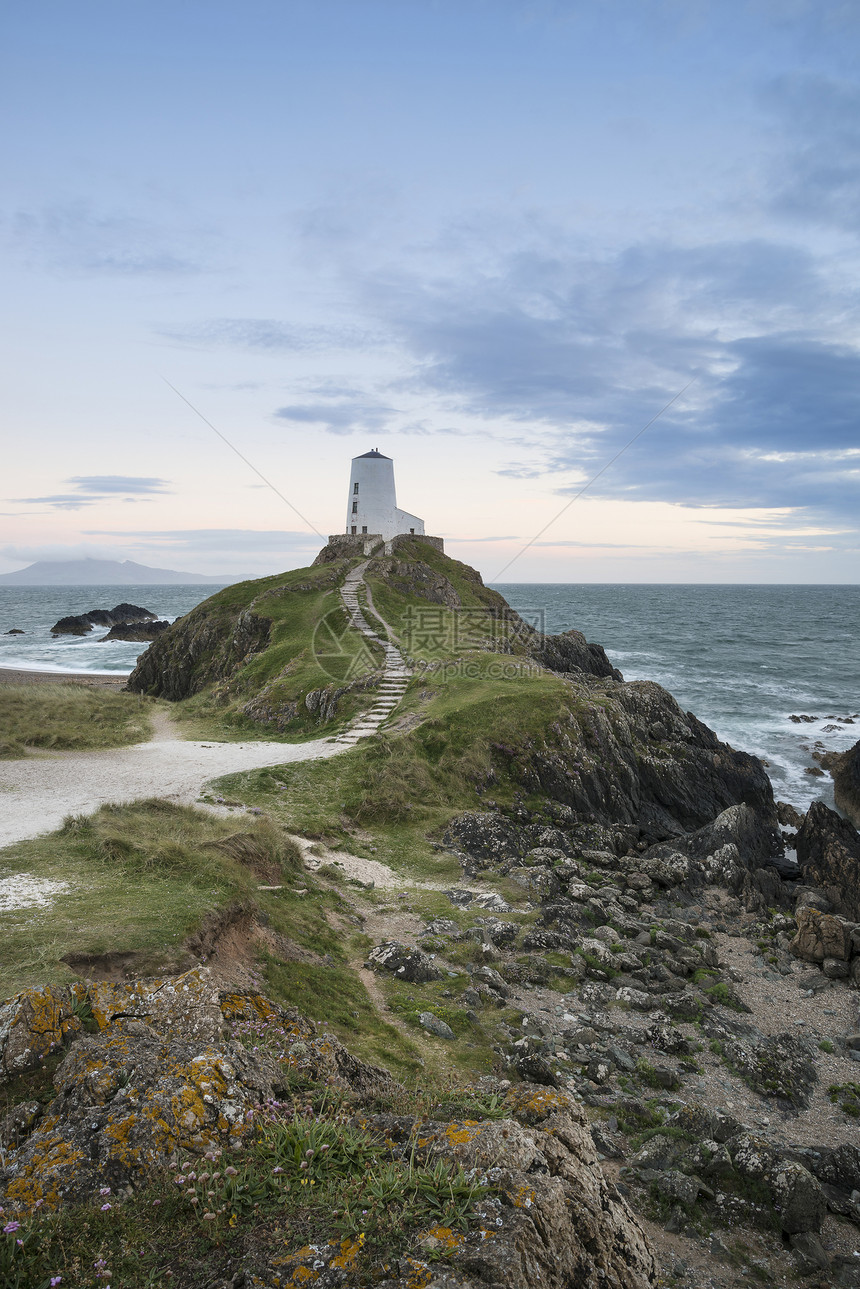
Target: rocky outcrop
{"points": [[845, 769], [821, 936], [137, 631], [828, 851], [571, 652], [630, 755], [198, 650], [84, 622], [166, 1072], [630, 767]]}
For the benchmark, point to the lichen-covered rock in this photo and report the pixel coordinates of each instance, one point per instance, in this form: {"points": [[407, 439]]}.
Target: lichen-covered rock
{"points": [[32, 1024], [435, 1025], [556, 1221], [820, 936], [796, 1195], [404, 963], [129, 1099], [188, 1004], [167, 1072], [781, 1066]]}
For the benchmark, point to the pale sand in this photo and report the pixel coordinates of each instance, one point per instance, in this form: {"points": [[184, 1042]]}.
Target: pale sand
{"points": [[39, 791]]}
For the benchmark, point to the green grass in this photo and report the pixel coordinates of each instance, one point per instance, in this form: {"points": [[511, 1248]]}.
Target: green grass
{"points": [[310, 647], [335, 996], [139, 879], [476, 731], [69, 716]]}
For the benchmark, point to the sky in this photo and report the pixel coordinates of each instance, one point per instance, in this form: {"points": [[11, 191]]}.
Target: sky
{"points": [[495, 239]]}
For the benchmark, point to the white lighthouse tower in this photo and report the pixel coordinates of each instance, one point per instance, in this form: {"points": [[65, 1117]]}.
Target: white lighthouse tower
{"points": [[372, 508]]}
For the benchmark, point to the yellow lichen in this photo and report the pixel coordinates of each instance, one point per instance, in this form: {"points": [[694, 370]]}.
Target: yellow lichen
{"points": [[460, 1133], [523, 1197], [441, 1238], [348, 1253]]}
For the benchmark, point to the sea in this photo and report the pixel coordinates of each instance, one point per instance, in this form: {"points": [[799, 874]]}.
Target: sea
{"points": [[35, 609], [745, 659]]}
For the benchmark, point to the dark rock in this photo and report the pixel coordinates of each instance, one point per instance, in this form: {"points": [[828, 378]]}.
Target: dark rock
{"points": [[702, 1122], [809, 1253], [404, 963], [136, 630], [828, 850], [796, 1195], [541, 883], [846, 783], [82, 623], [571, 652], [678, 1186], [775, 1065], [198, 650], [15, 631], [487, 837], [839, 1167], [489, 976], [17, 1124], [614, 773], [434, 1025], [728, 852]]}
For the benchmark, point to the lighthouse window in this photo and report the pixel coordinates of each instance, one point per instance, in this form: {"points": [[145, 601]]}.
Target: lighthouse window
{"points": [[364, 529], [355, 490], [355, 507]]}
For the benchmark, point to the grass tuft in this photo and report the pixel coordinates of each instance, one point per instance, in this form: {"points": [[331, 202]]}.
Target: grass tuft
{"points": [[68, 716]]}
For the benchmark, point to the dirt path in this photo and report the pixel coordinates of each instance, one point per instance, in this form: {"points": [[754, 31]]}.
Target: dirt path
{"points": [[38, 792]]}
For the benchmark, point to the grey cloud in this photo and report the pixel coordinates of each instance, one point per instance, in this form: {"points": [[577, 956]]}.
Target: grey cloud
{"points": [[341, 418], [268, 335], [90, 489], [817, 176], [584, 352], [110, 483]]}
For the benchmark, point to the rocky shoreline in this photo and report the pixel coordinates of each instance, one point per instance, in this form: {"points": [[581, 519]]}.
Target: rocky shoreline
{"points": [[659, 964]]}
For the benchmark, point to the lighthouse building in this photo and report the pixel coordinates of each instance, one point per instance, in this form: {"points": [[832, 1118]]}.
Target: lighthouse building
{"points": [[372, 504]]}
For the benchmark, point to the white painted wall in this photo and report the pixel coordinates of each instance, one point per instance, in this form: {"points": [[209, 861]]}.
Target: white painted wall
{"points": [[372, 502]]}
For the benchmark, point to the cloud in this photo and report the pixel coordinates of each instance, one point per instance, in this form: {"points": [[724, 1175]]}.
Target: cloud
{"points": [[268, 335], [75, 238], [348, 417], [90, 489], [112, 483], [583, 350], [817, 175]]}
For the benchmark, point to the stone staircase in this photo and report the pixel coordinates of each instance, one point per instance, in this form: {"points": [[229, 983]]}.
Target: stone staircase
{"points": [[396, 677]]}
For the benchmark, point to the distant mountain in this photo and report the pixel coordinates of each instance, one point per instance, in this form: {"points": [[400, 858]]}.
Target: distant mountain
{"points": [[106, 572]]}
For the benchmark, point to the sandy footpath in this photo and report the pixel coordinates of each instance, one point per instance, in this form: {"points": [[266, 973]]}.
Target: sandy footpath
{"points": [[37, 792]]}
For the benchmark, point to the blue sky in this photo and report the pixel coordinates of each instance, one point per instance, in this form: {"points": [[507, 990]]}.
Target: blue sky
{"points": [[492, 238]]}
